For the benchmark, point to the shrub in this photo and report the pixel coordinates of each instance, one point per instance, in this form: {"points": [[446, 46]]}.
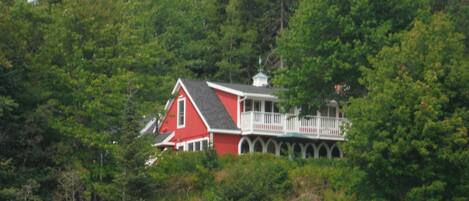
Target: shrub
{"points": [[255, 177]]}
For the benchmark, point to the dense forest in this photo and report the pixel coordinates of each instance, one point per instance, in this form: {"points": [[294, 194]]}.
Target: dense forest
{"points": [[77, 77]]}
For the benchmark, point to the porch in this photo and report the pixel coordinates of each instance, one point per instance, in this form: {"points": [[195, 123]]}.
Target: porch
{"points": [[278, 124]]}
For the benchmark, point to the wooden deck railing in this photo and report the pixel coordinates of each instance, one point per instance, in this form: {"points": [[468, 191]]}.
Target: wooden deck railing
{"points": [[278, 124]]}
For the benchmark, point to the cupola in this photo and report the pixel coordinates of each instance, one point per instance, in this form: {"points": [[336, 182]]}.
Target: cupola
{"points": [[260, 80]]}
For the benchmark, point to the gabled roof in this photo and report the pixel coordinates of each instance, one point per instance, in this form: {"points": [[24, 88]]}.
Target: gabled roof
{"points": [[211, 110]]}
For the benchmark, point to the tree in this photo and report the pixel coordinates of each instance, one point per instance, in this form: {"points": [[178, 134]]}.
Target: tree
{"points": [[327, 43], [249, 30], [409, 133], [134, 149], [26, 143]]}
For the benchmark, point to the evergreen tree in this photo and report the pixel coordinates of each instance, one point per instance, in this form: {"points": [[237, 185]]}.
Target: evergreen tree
{"points": [[409, 134]]}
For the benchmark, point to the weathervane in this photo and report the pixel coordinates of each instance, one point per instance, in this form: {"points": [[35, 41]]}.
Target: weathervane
{"points": [[260, 64]]}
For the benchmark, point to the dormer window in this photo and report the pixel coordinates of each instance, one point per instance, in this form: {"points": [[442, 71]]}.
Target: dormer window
{"points": [[181, 113]]}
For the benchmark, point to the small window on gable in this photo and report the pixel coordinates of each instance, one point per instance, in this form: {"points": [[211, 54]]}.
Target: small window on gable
{"points": [[181, 113]]}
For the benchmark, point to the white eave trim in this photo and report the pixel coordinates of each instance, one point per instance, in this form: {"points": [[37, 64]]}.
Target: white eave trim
{"points": [[148, 125], [240, 93], [267, 96], [168, 104], [166, 141], [225, 131], [225, 89], [164, 144]]}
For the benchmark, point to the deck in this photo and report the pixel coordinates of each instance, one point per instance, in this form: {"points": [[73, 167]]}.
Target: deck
{"points": [[278, 124]]}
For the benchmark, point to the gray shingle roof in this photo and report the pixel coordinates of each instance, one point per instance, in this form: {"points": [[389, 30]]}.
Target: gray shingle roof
{"points": [[150, 125], [209, 105], [250, 89], [161, 137]]}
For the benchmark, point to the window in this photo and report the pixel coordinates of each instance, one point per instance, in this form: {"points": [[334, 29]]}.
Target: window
{"points": [[248, 105], [268, 106], [257, 105], [204, 144], [181, 113], [191, 147], [180, 148], [328, 111], [276, 108], [197, 146]]}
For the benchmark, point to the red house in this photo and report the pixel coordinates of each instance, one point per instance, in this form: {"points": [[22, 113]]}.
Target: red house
{"points": [[237, 118]]}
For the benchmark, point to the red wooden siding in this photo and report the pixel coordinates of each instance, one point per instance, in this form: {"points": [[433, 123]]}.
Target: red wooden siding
{"points": [[226, 143], [230, 101], [194, 125]]}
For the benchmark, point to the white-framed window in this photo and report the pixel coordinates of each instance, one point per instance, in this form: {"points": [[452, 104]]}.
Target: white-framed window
{"points": [[200, 144], [180, 148], [190, 146], [328, 111], [181, 113]]}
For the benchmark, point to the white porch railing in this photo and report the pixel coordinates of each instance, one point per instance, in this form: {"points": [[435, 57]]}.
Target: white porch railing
{"points": [[277, 123]]}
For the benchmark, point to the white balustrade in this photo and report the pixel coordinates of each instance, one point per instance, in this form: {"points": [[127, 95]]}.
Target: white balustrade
{"points": [[277, 123]]}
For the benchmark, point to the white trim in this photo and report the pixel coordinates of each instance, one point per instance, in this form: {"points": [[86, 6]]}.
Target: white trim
{"points": [[239, 93], [238, 115], [168, 104], [160, 144], [280, 148], [264, 96], [176, 86], [181, 99], [225, 89], [225, 131], [327, 149], [275, 146], [148, 125], [185, 144], [338, 148], [258, 139], [312, 145], [241, 142], [166, 141], [305, 136], [211, 142]]}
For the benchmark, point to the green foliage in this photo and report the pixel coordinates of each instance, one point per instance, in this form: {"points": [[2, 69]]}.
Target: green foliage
{"points": [[410, 131], [328, 42], [183, 176], [323, 179], [255, 178]]}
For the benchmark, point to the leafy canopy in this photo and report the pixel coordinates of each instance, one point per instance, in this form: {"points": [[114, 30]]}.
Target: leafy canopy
{"points": [[409, 133]]}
